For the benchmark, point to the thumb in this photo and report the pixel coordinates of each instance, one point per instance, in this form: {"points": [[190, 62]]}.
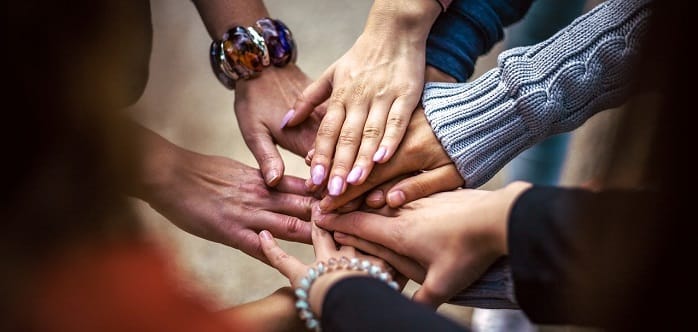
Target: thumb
{"points": [[444, 178], [310, 98], [288, 265], [268, 158], [441, 283]]}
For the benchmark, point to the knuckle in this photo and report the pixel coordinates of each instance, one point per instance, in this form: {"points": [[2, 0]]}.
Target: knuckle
{"points": [[327, 129], [371, 132], [347, 137], [420, 188], [395, 122], [292, 225]]}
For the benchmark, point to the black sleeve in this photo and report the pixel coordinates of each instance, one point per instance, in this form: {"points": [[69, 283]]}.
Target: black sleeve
{"points": [[368, 304], [574, 253]]}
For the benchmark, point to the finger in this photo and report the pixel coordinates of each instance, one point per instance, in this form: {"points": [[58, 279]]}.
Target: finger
{"points": [[444, 279], [402, 264], [347, 145], [248, 242], [323, 243], [443, 178], [371, 137], [267, 155], [292, 185], [289, 266], [293, 205], [282, 226], [378, 176], [395, 128], [376, 198], [325, 142], [351, 206], [309, 156], [312, 96], [369, 226]]}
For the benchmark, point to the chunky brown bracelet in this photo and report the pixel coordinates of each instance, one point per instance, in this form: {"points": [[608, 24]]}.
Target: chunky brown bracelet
{"points": [[242, 53]]}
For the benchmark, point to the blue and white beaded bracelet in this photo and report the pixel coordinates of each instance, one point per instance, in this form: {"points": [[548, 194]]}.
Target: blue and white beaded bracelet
{"points": [[353, 264]]}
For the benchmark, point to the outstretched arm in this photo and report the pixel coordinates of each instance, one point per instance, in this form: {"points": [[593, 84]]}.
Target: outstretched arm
{"points": [[538, 91], [262, 102], [219, 199]]}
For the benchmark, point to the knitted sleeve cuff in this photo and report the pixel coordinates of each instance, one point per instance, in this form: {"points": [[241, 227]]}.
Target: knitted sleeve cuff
{"points": [[537, 91]]}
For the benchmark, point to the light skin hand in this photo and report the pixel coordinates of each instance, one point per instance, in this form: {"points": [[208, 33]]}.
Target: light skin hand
{"points": [[260, 105], [325, 249], [220, 199], [420, 151], [454, 235], [372, 90]]}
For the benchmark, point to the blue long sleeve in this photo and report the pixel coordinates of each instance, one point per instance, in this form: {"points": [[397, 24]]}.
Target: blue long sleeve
{"points": [[468, 29]]}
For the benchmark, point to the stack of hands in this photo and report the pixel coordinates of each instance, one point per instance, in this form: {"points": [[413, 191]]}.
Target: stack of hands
{"points": [[369, 147]]}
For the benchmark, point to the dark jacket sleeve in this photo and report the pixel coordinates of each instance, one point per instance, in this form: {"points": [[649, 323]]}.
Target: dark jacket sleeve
{"points": [[468, 29], [577, 257], [367, 304]]}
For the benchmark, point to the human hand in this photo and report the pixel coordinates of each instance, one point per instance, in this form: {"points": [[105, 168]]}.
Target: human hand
{"points": [[455, 236], [220, 199], [327, 253], [420, 153], [373, 90], [260, 105]]}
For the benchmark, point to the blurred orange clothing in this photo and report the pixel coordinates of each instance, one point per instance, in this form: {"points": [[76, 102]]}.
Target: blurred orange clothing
{"points": [[115, 287]]}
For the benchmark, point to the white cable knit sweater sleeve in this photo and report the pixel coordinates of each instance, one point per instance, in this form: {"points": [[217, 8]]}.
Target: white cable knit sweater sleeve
{"points": [[538, 91]]}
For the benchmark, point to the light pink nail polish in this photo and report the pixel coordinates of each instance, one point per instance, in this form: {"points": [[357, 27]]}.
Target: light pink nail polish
{"points": [[380, 154], [355, 174], [289, 115], [335, 187], [318, 174]]}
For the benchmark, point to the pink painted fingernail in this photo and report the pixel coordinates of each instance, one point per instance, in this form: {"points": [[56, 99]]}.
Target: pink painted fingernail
{"points": [[355, 174], [318, 174], [335, 187], [289, 115], [380, 154]]}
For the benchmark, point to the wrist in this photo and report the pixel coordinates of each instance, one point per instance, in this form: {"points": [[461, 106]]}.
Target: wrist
{"points": [[323, 284], [509, 194], [411, 18], [433, 74], [158, 157], [320, 279]]}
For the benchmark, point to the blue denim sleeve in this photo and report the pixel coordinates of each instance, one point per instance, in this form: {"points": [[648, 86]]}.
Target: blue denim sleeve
{"points": [[468, 29]]}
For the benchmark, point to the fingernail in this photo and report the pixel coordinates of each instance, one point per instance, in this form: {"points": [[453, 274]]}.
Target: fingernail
{"points": [[375, 196], [396, 198], [271, 176], [335, 186], [287, 118], [355, 174], [318, 174], [379, 154], [265, 235], [339, 235]]}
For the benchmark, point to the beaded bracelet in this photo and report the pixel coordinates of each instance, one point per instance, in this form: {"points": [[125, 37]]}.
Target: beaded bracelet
{"points": [[242, 53], [302, 292]]}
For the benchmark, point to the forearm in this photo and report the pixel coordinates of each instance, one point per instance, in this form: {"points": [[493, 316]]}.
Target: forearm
{"points": [[408, 18], [468, 29], [367, 304], [568, 248], [221, 15], [276, 312], [538, 91]]}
